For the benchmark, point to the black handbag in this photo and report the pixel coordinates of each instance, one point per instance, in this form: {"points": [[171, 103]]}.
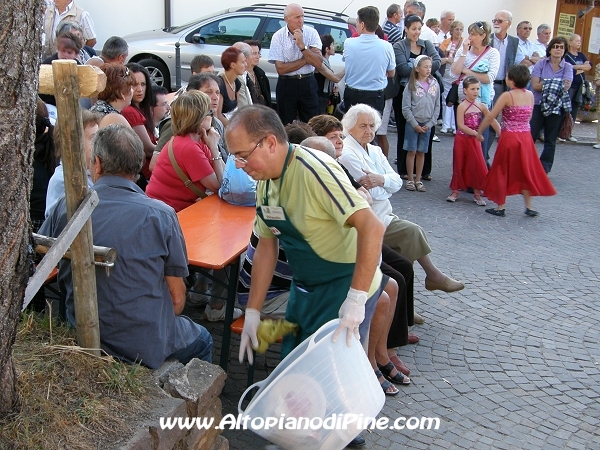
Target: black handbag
{"points": [[452, 97]]}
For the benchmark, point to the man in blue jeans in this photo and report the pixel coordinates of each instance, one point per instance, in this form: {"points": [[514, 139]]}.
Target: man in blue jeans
{"points": [[140, 300]]}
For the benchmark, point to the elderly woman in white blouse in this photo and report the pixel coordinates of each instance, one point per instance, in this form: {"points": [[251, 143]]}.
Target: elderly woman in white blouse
{"points": [[367, 164]]}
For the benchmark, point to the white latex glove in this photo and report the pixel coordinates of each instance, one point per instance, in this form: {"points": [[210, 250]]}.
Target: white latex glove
{"points": [[352, 313], [249, 338]]}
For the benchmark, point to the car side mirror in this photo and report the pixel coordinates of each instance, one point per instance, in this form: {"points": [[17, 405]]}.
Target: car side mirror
{"points": [[197, 39]]}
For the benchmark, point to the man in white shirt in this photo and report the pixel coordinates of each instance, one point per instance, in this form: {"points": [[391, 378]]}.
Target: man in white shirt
{"points": [[296, 52], [446, 19], [60, 11], [544, 33], [526, 50]]}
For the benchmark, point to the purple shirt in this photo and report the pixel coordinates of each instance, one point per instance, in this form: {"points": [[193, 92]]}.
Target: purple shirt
{"points": [[543, 70]]}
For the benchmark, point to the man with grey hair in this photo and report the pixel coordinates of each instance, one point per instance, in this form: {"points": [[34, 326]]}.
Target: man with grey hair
{"points": [[320, 143], [446, 19], [393, 26], [296, 52], [114, 50], [544, 34], [140, 303], [526, 54], [506, 45]]}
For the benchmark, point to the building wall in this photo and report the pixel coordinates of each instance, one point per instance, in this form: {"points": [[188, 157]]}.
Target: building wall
{"points": [[119, 17]]}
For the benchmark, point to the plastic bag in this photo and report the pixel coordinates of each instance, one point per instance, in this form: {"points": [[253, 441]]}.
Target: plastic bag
{"points": [[237, 188]]}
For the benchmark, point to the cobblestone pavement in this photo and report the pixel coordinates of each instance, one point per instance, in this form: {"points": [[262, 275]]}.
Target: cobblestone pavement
{"points": [[512, 361]]}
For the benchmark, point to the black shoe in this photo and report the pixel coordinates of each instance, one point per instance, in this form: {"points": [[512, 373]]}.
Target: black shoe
{"points": [[496, 212], [358, 441], [531, 212]]}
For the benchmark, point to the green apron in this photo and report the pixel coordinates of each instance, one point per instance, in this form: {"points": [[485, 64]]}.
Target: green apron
{"points": [[319, 287]]}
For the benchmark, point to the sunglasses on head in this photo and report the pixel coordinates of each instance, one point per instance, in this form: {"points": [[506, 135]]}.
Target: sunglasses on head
{"points": [[480, 25]]}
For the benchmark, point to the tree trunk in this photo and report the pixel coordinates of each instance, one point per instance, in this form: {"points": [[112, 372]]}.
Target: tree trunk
{"points": [[20, 47]]}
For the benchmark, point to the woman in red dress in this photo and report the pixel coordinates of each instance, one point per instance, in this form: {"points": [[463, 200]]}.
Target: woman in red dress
{"points": [[516, 168]]}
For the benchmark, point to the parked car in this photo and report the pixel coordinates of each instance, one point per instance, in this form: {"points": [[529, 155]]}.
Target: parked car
{"points": [[212, 34]]}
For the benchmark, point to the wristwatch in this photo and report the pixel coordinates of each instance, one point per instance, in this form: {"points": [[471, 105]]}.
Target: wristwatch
{"points": [[302, 49]]}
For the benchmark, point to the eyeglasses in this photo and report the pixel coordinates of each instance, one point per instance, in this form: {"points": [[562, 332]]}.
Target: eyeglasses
{"points": [[499, 20], [210, 113], [244, 161], [526, 28], [479, 25], [559, 46]]}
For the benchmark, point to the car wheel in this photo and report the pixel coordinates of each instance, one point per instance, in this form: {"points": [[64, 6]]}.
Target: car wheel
{"points": [[159, 73]]}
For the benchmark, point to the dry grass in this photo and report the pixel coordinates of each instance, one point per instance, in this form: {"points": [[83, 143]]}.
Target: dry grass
{"points": [[70, 399]]}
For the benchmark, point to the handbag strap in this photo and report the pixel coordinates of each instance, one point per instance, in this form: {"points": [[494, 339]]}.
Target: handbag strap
{"points": [[181, 174], [462, 75]]}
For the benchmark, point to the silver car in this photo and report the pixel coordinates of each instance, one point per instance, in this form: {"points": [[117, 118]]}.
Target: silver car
{"points": [[212, 34]]}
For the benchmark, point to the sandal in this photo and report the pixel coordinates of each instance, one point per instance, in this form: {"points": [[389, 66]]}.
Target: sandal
{"points": [[399, 365], [399, 378], [410, 186], [386, 385], [452, 197], [419, 186], [478, 200]]}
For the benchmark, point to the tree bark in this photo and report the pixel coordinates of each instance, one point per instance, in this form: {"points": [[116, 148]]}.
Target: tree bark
{"points": [[20, 47]]}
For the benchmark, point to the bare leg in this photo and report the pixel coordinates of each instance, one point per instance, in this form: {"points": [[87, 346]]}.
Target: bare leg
{"points": [[420, 161], [410, 165], [378, 323], [527, 199], [431, 270]]}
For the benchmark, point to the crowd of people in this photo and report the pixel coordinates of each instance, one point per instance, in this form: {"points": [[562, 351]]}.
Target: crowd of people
{"points": [[326, 242]]}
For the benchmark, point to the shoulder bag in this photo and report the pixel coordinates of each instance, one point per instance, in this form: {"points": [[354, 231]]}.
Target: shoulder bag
{"points": [[452, 97], [182, 175]]}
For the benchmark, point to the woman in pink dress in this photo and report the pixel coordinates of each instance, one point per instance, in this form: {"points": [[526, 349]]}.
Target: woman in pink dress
{"points": [[469, 168], [516, 168]]}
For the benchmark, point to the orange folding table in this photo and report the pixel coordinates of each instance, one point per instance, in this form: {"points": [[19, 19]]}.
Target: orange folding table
{"points": [[216, 234]]}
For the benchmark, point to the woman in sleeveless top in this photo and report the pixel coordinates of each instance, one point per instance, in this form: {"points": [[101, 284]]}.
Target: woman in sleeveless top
{"points": [[516, 168]]}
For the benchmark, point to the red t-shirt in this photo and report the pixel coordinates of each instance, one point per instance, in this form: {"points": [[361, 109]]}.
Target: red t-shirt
{"points": [[135, 117], [193, 158]]}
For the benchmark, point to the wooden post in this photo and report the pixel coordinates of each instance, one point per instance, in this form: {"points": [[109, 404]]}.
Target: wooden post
{"points": [[66, 92]]}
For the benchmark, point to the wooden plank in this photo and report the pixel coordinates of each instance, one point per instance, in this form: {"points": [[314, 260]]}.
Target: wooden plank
{"points": [[62, 244], [104, 255], [91, 79], [66, 90]]}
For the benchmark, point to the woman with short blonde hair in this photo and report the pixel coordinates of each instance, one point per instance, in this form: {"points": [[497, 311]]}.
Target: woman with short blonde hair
{"points": [[195, 151]]}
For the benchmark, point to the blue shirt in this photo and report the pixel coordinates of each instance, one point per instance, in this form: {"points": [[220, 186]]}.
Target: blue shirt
{"points": [[135, 309], [367, 59], [56, 188]]}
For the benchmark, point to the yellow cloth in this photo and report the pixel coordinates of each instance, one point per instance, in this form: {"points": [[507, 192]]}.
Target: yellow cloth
{"points": [[269, 331]]}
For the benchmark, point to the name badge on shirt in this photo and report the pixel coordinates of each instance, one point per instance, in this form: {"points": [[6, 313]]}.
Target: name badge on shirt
{"points": [[273, 212]]}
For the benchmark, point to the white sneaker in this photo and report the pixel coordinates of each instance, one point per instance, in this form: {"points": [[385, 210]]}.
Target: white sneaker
{"points": [[435, 138], [596, 146], [217, 315], [197, 298], [561, 140], [444, 130], [453, 131], [572, 139]]}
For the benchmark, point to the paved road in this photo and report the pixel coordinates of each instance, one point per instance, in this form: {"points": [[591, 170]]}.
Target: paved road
{"points": [[512, 361]]}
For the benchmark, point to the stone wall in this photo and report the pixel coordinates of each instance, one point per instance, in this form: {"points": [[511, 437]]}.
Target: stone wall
{"points": [[185, 391]]}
